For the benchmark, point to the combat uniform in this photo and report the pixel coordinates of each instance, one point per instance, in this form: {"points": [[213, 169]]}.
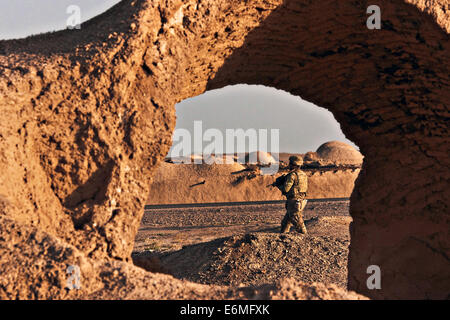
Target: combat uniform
{"points": [[294, 188]]}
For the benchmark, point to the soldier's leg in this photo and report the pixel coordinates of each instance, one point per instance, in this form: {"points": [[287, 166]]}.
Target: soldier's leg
{"points": [[285, 224], [301, 224], [298, 222]]}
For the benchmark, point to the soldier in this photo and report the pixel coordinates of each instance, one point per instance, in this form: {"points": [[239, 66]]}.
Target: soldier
{"points": [[294, 186]]}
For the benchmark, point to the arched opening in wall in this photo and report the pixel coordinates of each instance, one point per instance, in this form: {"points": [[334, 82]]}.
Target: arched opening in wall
{"points": [[212, 215], [386, 87]]}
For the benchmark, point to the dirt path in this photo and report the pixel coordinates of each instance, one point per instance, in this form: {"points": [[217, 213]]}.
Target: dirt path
{"points": [[164, 230], [242, 244], [259, 258]]}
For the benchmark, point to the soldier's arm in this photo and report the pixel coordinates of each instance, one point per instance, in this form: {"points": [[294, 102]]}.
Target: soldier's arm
{"points": [[288, 183]]}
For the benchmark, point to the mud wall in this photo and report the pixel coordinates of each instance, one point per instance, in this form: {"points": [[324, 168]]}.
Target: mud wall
{"points": [[87, 114], [185, 183]]}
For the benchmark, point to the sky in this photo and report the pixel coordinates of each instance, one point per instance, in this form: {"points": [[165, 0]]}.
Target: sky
{"points": [[302, 126], [21, 18]]}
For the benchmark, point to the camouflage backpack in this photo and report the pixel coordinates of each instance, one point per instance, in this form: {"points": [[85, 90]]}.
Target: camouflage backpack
{"points": [[300, 186]]}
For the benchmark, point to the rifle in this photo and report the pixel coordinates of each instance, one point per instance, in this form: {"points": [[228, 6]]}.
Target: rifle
{"points": [[278, 181]]}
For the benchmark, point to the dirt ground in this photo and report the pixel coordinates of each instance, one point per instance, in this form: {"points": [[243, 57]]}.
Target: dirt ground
{"points": [[233, 245]]}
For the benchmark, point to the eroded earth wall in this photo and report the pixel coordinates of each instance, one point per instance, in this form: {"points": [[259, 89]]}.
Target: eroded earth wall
{"points": [[186, 183], [87, 114]]}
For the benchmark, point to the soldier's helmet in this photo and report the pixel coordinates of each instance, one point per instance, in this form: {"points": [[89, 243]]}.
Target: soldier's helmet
{"points": [[296, 161]]}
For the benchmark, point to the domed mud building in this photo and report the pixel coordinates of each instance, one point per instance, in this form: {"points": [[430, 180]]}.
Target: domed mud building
{"points": [[258, 157], [340, 153]]}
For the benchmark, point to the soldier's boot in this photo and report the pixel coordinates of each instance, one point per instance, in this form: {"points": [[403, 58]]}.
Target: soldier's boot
{"points": [[285, 226], [302, 228], [300, 224]]}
